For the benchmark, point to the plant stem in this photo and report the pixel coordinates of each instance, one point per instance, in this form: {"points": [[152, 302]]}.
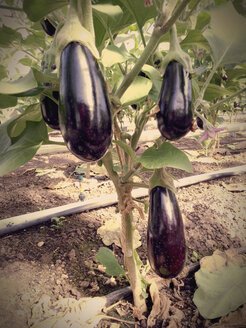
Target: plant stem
{"points": [[160, 29], [226, 99], [87, 19], [130, 173]]}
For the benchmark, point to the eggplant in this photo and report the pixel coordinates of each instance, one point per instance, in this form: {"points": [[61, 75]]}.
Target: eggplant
{"points": [[49, 110], [84, 110], [199, 122], [165, 233], [175, 116], [48, 27]]}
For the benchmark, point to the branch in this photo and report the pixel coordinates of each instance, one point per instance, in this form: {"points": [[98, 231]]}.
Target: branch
{"points": [[160, 29]]}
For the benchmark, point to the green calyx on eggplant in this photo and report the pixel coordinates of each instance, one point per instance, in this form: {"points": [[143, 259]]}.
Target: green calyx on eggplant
{"points": [[48, 27], [165, 233], [84, 110], [175, 116], [49, 110]]}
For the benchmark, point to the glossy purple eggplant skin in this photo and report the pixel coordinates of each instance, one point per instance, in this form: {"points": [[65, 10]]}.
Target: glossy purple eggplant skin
{"points": [[48, 27], [49, 110], [175, 116], [165, 234], [84, 110]]}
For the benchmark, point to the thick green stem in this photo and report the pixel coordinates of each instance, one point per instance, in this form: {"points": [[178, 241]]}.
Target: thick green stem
{"points": [[174, 42], [130, 262], [154, 40], [87, 20], [124, 198]]}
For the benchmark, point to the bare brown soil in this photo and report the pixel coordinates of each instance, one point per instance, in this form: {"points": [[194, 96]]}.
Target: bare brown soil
{"points": [[58, 259]]}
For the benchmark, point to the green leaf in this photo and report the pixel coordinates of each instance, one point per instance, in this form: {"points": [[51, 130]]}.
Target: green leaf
{"points": [[26, 61], [113, 55], [139, 89], [45, 78], [165, 155], [7, 101], [24, 84], [240, 6], [203, 19], [156, 79], [214, 91], [140, 13], [126, 148], [236, 73], [226, 34], [37, 9], [8, 36], [195, 37], [34, 41], [221, 285], [108, 259], [107, 13], [24, 148], [18, 125], [3, 72]]}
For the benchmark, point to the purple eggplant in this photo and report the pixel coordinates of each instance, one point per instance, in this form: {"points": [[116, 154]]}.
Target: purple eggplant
{"points": [[165, 233], [84, 110], [49, 110], [175, 116]]}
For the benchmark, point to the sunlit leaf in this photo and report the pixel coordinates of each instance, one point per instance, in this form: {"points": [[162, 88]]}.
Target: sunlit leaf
{"points": [[156, 79], [37, 9], [226, 34], [165, 155], [113, 55], [139, 89], [18, 125], [195, 37], [24, 148], [26, 83], [221, 284]]}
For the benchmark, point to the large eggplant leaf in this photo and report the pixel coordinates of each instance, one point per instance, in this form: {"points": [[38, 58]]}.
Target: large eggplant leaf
{"points": [[221, 283], [23, 84], [195, 37], [8, 36], [107, 13], [37, 9], [165, 155], [24, 148], [215, 91], [139, 89], [114, 55], [7, 101], [226, 34], [140, 13], [18, 125], [133, 12], [156, 79]]}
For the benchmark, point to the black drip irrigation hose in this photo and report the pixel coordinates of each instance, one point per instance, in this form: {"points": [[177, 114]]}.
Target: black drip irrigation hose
{"points": [[27, 220]]}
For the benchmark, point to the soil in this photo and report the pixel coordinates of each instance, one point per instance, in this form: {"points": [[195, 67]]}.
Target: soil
{"points": [[57, 259]]}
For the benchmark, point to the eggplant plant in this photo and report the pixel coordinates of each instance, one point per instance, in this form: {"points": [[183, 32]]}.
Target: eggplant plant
{"points": [[93, 74]]}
